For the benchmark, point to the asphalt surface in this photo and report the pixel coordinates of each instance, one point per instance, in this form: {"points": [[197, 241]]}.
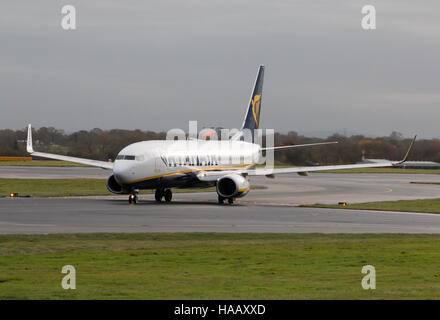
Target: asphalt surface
{"points": [[271, 209], [114, 215]]}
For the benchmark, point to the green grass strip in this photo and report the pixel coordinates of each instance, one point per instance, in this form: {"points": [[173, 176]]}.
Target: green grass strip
{"points": [[220, 266], [65, 187], [422, 205]]}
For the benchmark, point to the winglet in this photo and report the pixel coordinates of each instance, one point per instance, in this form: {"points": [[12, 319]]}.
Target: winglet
{"points": [[29, 147], [408, 152]]}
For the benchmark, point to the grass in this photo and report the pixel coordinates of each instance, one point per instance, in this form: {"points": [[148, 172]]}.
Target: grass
{"points": [[67, 188], [367, 170], [53, 187], [422, 205], [72, 187], [219, 266], [386, 170], [424, 182], [41, 163]]}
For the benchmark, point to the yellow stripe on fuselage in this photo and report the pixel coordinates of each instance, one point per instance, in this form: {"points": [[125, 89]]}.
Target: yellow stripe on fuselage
{"points": [[191, 170]]}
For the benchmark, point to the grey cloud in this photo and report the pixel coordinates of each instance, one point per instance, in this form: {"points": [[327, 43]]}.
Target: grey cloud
{"points": [[155, 65]]}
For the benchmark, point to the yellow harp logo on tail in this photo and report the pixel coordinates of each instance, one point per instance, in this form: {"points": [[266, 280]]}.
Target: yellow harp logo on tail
{"points": [[256, 107]]}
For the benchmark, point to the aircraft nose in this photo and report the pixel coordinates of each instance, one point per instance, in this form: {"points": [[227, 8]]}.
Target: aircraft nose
{"points": [[122, 172]]}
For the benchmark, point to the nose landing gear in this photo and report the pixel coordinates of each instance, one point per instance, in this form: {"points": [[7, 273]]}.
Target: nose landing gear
{"points": [[133, 198]]}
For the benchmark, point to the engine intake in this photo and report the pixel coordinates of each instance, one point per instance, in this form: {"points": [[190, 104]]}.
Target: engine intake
{"points": [[114, 187], [232, 186]]}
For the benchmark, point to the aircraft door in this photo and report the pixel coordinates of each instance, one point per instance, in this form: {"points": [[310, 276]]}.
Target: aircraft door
{"points": [[158, 165]]}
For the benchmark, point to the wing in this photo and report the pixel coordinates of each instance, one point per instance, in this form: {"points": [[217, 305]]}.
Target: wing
{"points": [[269, 172], [93, 163], [272, 172], [214, 175]]}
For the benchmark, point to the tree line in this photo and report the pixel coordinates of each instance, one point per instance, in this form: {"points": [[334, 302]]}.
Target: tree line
{"points": [[105, 144]]}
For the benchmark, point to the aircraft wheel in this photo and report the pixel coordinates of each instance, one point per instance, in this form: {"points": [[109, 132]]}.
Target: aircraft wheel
{"points": [[221, 200], [230, 200], [158, 195], [168, 195]]}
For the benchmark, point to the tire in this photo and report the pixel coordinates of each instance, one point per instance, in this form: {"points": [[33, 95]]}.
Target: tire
{"points": [[230, 200], [221, 200], [168, 195], [158, 195]]}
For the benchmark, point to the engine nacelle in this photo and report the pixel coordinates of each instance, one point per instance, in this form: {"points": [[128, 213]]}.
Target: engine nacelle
{"points": [[232, 186], [114, 187]]}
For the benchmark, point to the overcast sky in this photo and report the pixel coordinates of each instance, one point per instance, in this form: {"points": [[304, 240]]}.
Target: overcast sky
{"points": [[154, 65]]}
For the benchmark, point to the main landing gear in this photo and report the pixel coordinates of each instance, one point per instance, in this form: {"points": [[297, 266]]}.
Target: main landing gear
{"points": [[221, 200], [163, 193]]}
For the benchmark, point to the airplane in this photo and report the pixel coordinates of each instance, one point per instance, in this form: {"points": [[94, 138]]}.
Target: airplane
{"points": [[197, 163]]}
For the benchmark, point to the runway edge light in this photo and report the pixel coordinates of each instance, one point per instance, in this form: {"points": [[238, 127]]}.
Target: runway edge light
{"points": [[13, 194]]}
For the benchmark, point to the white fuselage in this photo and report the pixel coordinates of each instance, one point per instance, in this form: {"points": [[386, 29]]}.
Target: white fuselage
{"points": [[168, 163]]}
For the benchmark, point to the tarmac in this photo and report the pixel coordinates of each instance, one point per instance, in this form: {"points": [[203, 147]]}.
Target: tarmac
{"points": [[272, 207]]}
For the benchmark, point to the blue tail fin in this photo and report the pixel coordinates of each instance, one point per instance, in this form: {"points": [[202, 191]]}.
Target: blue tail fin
{"points": [[252, 118]]}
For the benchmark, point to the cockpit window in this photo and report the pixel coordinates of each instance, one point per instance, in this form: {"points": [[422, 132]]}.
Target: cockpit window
{"points": [[124, 157]]}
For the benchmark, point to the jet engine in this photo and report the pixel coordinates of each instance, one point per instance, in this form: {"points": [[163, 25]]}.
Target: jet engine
{"points": [[232, 186], [114, 187]]}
